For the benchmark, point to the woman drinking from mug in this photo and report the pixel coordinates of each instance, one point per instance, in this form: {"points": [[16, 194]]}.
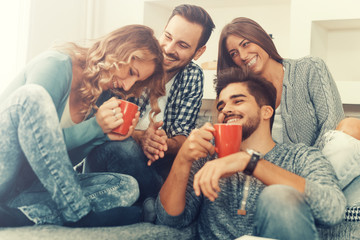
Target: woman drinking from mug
{"points": [[42, 117]]}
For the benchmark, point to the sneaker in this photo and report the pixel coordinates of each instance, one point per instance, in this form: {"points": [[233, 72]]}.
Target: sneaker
{"points": [[149, 214]]}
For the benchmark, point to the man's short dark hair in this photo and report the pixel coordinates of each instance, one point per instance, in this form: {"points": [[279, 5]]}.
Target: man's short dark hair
{"points": [[262, 90], [198, 15]]}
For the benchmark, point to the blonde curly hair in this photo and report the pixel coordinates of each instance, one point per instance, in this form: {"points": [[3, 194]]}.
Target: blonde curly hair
{"points": [[115, 50]]}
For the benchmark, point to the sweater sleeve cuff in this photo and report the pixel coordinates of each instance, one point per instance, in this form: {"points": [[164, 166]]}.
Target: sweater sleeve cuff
{"points": [[97, 129]]}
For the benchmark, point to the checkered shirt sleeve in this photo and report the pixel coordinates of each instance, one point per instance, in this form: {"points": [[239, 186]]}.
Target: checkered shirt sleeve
{"points": [[142, 102], [184, 101], [352, 214]]}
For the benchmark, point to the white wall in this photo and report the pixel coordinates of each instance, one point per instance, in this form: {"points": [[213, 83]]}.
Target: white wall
{"points": [[303, 12], [156, 16], [14, 26], [112, 14], [343, 54], [53, 21], [328, 29], [343, 59]]}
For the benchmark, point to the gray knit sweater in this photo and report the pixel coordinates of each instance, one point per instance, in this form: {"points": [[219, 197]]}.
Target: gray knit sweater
{"points": [[310, 101], [219, 219]]}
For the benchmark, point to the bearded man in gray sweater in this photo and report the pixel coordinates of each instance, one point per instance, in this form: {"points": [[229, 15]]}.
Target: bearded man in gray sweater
{"points": [[279, 191]]}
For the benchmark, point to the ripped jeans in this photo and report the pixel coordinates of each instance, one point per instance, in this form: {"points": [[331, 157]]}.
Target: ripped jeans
{"points": [[343, 151], [36, 174]]}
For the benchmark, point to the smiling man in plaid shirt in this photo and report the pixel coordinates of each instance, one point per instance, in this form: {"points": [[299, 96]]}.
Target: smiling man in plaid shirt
{"points": [[148, 156]]}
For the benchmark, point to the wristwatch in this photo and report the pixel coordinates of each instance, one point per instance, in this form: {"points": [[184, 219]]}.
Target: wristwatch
{"points": [[255, 157]]}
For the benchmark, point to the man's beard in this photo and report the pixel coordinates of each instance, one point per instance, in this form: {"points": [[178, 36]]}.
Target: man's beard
{"points": [[174, 69], [250, 126], [177, 67]]}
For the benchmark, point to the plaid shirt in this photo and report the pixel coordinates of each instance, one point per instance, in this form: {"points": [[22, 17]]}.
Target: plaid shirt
{"points": [[183, 102]]}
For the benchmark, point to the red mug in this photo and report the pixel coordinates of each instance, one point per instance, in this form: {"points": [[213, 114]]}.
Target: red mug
{"points": [[128, 110], [227, 138]]}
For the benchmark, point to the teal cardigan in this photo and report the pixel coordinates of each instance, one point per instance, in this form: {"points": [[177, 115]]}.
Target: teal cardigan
{"points": [[53, 71]]}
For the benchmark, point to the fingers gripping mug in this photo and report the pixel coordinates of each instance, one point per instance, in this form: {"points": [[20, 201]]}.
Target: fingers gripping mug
{"points": [[227, 138], [128, 110]]}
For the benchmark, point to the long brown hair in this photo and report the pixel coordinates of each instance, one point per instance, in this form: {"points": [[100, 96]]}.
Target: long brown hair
{"points": [[116, 49], [247, 29]]}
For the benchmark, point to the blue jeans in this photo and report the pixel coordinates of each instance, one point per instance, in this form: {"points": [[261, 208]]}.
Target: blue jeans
{"points": [[282, 213], [127, 157], [343, 151], [36, 174]]}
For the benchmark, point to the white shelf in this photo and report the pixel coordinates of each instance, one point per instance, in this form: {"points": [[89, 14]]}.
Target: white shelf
{"points": [[336, 41], [209, 91], [349, 91], [340, 24]]}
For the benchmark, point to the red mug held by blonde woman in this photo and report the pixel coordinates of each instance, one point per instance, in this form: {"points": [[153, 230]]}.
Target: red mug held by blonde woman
{"points": [[128, 111], [227, 138]]}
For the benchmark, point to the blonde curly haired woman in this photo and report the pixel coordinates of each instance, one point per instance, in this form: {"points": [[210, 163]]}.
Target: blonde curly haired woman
{"points": [[47, 111]]}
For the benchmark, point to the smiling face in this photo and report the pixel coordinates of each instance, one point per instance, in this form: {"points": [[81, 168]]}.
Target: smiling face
{"points": [[248, 54], [237, 106], [127, 75], [179, 42]]}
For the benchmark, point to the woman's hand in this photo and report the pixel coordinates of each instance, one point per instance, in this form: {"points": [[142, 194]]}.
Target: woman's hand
{"points": [[119, 137], [109, 115]]}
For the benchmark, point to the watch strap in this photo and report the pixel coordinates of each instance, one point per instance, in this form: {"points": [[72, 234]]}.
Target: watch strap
{"points": [[254, 159]]}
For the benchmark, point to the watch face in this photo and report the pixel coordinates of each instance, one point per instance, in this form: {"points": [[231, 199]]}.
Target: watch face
{"points": [[254, 158], [257, 154], [253, 152]]}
